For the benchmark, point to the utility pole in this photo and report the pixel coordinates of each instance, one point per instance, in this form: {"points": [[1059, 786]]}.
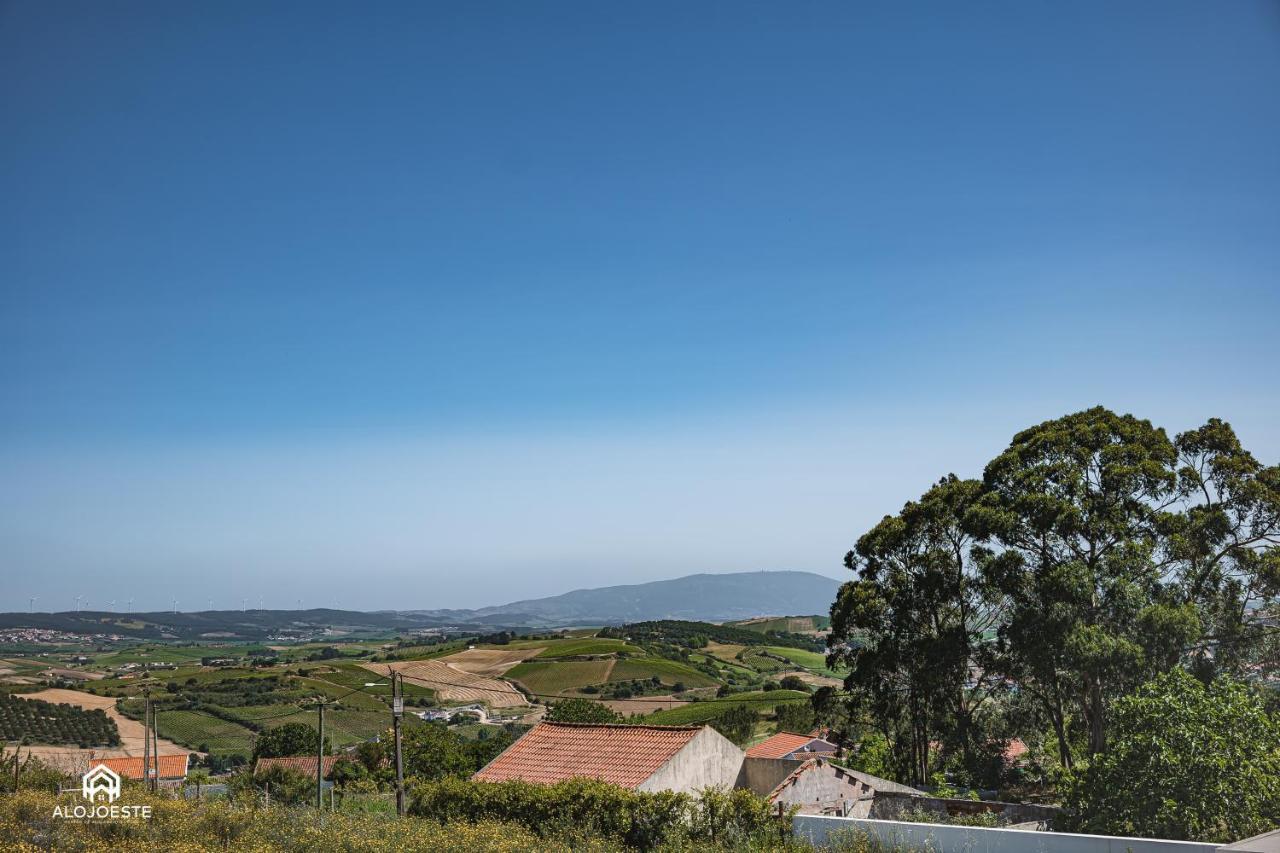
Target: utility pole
{"points": [[146, 739], [155, 751], [320, 758], [397, 712]]}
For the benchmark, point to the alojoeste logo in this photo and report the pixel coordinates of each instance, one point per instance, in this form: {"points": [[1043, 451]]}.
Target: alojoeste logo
{"points": [[101, 782]]}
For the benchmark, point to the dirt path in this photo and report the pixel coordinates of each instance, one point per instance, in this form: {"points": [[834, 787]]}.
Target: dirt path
{"points": [[131, 732]]}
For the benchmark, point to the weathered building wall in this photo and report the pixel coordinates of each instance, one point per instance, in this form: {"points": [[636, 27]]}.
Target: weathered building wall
{"points": [[710, 760], [823, 788], [762, 775], [890, 806]]}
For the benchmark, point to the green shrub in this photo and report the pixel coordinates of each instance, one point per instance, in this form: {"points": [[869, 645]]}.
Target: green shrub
{"points": [[588, 808], [1184, 761]]}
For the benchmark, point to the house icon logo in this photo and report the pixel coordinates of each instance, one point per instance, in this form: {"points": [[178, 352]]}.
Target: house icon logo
{"points": [[100, 780]]}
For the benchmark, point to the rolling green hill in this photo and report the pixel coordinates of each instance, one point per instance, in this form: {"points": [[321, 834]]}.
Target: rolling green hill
{"points": [[701, 712]]}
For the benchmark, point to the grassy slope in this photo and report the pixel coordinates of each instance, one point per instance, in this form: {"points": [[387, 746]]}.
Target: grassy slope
{"points": [[556, 677], [701, 712], [812, 661], [193, 730], [586, 646], [668, 671]]}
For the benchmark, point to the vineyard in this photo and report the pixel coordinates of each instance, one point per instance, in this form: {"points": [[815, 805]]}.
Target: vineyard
{"points": [[36, 721]]}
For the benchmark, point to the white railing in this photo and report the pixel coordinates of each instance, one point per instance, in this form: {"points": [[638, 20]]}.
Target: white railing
{"points": [[945, 838]]}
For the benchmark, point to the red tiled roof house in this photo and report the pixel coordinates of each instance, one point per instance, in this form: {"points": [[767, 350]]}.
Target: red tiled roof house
{"points": [[643, 758], [792, 746], [304, 764], [164, 767]]}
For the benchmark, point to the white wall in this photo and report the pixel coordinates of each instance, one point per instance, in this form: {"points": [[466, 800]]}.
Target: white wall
{"points": [[942, 838], [710, 760]]}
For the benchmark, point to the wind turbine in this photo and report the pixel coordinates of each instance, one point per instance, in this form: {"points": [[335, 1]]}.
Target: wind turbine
{"points": [[211, 605], [78, 597], [175, 605], [31, 604], [244, 604]]}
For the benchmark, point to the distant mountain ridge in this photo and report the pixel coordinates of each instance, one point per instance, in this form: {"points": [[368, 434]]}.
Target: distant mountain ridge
{"points": [[701, 597]]}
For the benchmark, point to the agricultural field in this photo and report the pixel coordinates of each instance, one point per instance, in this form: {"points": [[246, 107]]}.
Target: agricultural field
{"points": [[490, 663], [18, 671], [575, 646], [38, 721], [203, 732], [354, 677], [559, 678], [701, 712], [153, 654], [454, 685], [760, 661], [789, 624], [812, 661], [669, 672]]}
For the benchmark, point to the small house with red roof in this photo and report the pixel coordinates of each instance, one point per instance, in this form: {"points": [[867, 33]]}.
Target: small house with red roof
{"points": [[304, 764], [642, 758], [792, 747], [163, 767]]}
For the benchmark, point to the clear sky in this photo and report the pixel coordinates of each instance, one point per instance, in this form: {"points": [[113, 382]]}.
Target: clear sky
{"points": [[426, 304]]}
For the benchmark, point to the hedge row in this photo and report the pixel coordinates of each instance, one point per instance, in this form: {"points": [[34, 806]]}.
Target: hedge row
{"points": [[581, 808]]}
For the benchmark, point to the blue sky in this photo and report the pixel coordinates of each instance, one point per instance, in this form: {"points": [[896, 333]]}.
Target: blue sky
{"points": [[438, 304]]}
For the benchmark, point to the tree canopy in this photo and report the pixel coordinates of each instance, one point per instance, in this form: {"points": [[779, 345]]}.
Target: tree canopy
{"points": [[1185, 761], [289, 739], [582, 711], [1095, 553]]}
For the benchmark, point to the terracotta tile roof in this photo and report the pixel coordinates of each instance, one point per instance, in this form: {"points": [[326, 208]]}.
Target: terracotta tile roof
{"points": [[304, 764], [168, 766], [620, 754], [1015, 750], [784, 743]]}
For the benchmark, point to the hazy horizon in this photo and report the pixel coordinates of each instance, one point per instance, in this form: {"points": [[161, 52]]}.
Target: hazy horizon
{"points": [[418, 306]]}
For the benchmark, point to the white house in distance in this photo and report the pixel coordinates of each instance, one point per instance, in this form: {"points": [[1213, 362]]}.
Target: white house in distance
{"points": [[643, 758]]}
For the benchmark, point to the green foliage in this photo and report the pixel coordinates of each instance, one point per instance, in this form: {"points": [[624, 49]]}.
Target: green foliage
{"points": [[219, 825], [1185, 761], [694, 635], [584, 808], [289, 739], [581, 711], [433, 751], [797, 718], [1094, 554], [795, 682], [283, 785], [30, 772], [37, 721], [737, 723], [921, 611]]}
